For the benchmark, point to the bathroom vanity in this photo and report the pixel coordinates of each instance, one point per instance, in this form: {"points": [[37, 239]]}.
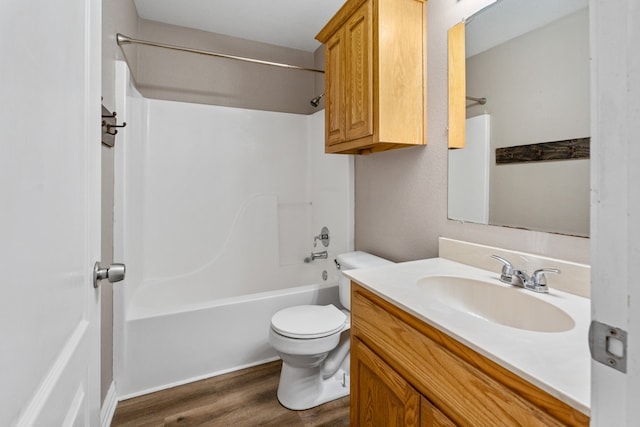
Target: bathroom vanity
{"points": [[420, 362]]}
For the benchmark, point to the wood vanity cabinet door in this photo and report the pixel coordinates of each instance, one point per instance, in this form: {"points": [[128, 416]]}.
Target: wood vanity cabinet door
{"points": [[334, 89], [359, 73], [430, 416], [380, 397]]}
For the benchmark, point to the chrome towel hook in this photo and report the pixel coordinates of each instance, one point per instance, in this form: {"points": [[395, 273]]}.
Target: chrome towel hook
{"points": [[109, 127]]}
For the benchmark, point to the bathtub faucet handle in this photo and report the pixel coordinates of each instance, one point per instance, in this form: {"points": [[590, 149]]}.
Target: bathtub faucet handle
{"points": [[323, 237]]}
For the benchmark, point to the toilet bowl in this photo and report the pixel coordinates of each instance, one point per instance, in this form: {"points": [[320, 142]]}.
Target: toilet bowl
{"points": [[313, 343]]}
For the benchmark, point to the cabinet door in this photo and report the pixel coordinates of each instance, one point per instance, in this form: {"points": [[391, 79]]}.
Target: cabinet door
{"points": [[359, 71], [379, 395], [334, 89], [430, 416]]}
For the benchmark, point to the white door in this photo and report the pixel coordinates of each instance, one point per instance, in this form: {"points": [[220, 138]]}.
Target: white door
{"points": [[49, 211], [615, 211]]}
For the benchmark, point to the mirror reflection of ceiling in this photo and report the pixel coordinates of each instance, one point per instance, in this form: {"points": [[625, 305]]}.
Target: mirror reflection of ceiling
{"points": [[288, 23], [513, 18]]}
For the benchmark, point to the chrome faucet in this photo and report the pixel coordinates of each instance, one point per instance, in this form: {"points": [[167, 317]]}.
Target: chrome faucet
{"points": [[316, 255], [537, 282]]}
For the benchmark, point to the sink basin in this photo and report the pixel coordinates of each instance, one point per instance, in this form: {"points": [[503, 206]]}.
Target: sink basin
{"points": [[508, 306]]}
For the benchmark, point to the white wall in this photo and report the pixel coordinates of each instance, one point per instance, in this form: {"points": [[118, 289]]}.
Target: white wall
{"points": [[179, 76]]}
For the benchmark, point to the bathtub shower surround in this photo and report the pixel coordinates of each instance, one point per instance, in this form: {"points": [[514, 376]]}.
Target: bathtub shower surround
{"points": [[216, 209]]}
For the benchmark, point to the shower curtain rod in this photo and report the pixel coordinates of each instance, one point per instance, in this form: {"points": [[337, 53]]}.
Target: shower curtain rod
{"points": [[123, 40]]}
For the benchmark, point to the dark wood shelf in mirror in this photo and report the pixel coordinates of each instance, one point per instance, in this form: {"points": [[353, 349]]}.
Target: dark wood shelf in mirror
{"points": [[568, 149]]}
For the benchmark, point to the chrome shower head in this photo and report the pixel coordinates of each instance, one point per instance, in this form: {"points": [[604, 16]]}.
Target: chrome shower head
{"points": [[316, 101]]}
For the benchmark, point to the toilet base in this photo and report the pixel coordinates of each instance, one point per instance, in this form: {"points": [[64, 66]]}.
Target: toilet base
{"points": [[304, 388]]}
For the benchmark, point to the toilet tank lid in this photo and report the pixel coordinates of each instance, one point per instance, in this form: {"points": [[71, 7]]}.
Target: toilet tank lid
{"points": [[360, 259]]}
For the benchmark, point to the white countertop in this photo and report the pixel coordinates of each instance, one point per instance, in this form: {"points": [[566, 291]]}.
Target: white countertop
{"points": [[557, 362]]}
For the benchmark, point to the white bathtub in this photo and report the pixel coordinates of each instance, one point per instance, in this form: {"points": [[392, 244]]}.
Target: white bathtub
{"points": [[171, 344]]}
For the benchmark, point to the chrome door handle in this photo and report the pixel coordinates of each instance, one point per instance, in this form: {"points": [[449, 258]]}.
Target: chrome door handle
{"points": [[113, 273]]}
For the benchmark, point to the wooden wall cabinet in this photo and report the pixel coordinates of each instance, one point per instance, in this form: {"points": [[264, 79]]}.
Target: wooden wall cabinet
{"points": [[374, 76], [406, 373]]}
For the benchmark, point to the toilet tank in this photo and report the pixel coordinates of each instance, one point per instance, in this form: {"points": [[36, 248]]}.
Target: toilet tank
{"points": [[352, 261]]}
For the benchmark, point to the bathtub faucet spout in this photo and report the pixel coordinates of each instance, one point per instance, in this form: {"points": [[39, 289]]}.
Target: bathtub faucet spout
{"points": [[316, 255]]}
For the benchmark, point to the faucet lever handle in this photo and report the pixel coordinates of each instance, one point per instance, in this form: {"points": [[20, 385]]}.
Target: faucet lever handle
{"points": [[538, 277], [507, 269], [323, 237]]}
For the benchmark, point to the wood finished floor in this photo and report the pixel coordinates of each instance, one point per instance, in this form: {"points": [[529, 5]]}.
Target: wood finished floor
{"points": [[241, 398]]}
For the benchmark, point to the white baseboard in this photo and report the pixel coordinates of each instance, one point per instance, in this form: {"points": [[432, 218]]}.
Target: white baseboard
{"points": [[108, 409]]}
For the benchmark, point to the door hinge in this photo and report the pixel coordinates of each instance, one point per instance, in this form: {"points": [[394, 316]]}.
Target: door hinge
{"points": [[608, 345]]}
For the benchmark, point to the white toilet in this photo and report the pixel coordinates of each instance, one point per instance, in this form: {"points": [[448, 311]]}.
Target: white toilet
{"points": [[313, 342]]}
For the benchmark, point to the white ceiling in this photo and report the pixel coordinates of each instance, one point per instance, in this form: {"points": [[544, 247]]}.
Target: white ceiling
{"points": [[289, 23]]}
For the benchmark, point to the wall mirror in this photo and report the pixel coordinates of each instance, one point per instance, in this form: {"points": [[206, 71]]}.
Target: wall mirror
{"points": [[519, 116]]}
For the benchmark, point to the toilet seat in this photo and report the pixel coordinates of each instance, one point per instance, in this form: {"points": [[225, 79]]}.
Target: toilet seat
{"points": [[308, 321]]}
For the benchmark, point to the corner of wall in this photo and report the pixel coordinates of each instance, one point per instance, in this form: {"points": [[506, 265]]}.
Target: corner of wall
{"points": [[318, 84]]}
